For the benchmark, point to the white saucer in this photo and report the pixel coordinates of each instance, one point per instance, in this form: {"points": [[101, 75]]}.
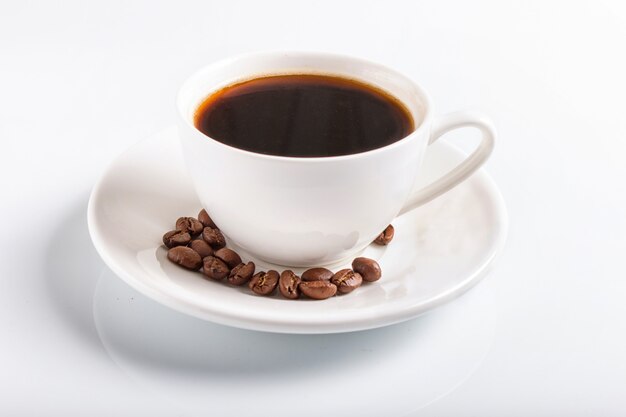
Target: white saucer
{"points": [[439, 251]]}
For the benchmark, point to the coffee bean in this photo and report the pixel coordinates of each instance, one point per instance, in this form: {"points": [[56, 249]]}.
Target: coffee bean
{"points": [[318, 290], [206, 220], [385, 237], [176, 238], [368, 268], [200, 246], [214, 268], [317, 274], [241, 273], [288, 284], [347, 280], [189, 225], [264, 283], [218, 262], [213, 237], [229, 256], [185, 257]]}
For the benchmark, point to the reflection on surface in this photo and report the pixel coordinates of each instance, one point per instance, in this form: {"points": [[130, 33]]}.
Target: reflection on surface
{"points": [[209, 367], [72, 268]]}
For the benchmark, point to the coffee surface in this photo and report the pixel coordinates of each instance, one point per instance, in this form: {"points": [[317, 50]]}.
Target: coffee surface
{"points": [[303, 115]]}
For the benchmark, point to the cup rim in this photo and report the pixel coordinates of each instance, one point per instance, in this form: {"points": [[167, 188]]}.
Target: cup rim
{"points": [[424, 97]]}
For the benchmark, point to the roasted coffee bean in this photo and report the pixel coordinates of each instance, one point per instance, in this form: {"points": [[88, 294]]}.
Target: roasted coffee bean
{"points": [[264, 283], [175, 238], [318, 290], [189, 225], [385, 237], [218, 262], [229, 256], [213, 237], [368, 268], [288, 284], [185, 257], [214, 268], [206, 220], [347, 280], [200, 246], [241, 273], [317, 274]]}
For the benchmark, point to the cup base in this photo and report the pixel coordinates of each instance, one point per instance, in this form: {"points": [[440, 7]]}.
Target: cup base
{"points": [[263, 263]]}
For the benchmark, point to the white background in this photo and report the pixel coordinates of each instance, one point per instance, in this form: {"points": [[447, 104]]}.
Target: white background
{"points": [[80, 82]]}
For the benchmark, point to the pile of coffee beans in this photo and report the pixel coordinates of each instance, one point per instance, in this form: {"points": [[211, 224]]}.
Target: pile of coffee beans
{"points": [[199, 245]]}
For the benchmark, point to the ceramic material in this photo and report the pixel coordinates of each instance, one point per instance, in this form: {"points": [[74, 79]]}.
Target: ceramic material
{"points": [[317, 211], [440, 249]]}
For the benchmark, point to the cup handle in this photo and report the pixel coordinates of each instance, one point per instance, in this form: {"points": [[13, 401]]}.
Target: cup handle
{"points": [[441, 126]]}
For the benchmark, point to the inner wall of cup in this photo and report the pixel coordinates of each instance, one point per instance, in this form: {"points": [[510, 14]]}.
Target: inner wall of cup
{"points": [[227, 72]]}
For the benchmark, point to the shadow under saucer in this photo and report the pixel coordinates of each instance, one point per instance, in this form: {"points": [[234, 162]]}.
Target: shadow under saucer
{"points": [[72, 268], [211, 368]]}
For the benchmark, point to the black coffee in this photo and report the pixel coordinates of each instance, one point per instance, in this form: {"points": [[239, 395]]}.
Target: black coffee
{"points": [[303, 115]]}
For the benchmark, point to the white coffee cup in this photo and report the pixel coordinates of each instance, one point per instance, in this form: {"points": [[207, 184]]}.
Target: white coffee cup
{"points": [[315, 211]]}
